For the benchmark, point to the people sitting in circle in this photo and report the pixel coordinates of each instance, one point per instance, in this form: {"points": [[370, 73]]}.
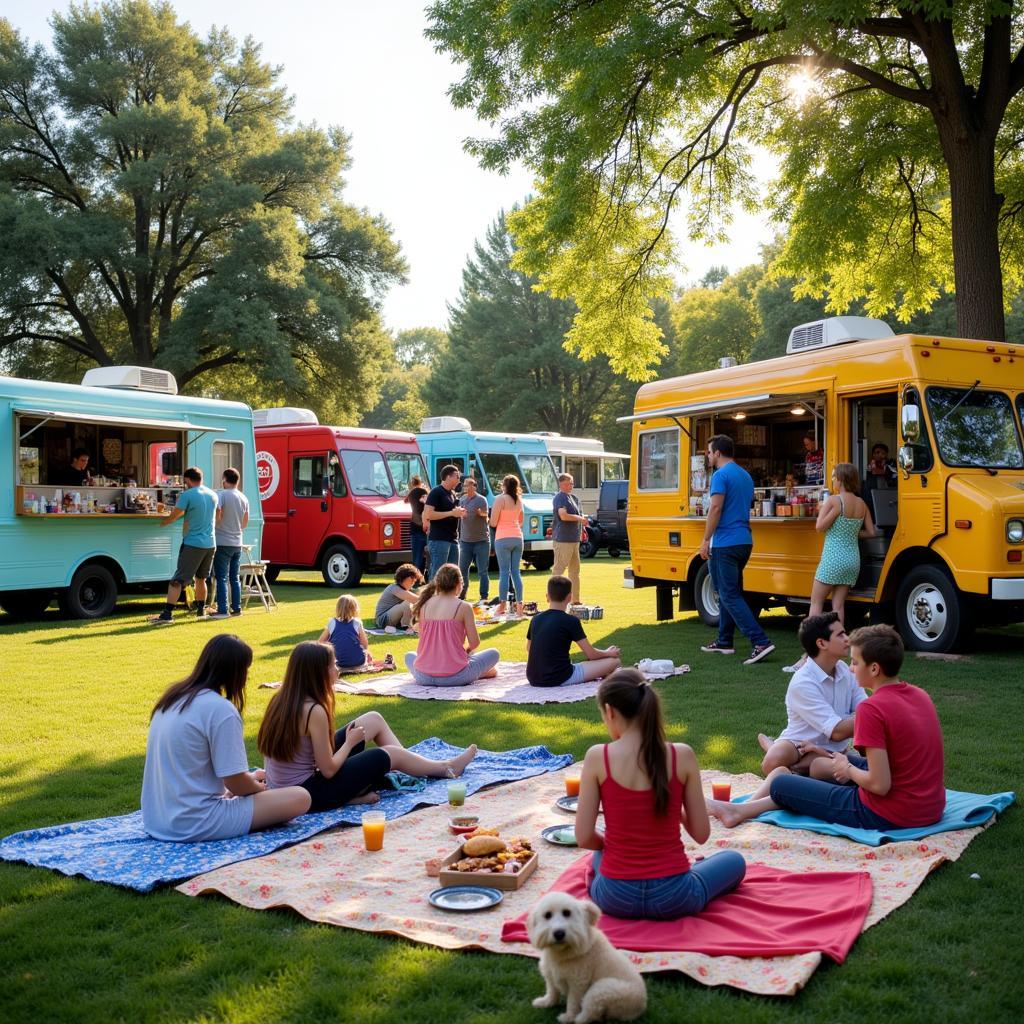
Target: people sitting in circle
{"points": [[196, 784], [332, 768], [898, 783], [881, 471], [394, 606], [447, 654], [820, 702], [549, 639], [814, 461], [646, 787], [346, 635]]}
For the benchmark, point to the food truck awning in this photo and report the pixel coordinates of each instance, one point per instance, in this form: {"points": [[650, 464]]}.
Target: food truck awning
{"points": [[724, 405], [119, 421]]}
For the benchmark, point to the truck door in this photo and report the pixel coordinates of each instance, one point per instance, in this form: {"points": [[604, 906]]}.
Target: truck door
{"points": [[309, 506]]}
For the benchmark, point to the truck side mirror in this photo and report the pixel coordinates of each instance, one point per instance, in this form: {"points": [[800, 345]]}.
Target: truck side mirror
{"points": [[911, 424], [905, 458]]}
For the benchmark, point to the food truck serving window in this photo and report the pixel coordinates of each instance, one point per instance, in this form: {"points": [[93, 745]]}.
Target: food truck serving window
{"points": [[974, 428], [658, 459]]}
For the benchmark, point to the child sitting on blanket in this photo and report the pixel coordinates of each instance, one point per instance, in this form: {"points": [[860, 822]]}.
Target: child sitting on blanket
{"points": [[647, 787], [346, 635], [394, 606], [447, 654], [550, 637], [196, 785], [820, 702], [899, 781], [301, 748]]}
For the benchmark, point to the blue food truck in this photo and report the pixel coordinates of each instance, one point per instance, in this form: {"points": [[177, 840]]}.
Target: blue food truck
{"points": [[88, 471], [489, 456]]}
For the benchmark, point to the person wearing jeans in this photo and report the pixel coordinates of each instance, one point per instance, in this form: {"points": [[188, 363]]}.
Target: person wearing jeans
{"points": [[441, 513], [232, 519], [507, 520], [474, 539], [727, 546]]}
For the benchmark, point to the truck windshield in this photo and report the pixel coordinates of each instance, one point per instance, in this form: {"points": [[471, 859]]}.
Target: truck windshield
{"points": [[498, 466], [404, 466], [367, 474], [538, 474], [974, 428], [613, 469]]}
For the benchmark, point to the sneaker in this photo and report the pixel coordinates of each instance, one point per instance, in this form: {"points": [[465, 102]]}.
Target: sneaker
{"points": [[163, 619], [388, 665], [216, 615], [790, 669], [758, 653], [493, 601], [239, 612], [716, 648]]}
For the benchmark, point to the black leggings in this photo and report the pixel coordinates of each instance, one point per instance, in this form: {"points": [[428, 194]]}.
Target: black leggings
{"points": [[363, 771]]}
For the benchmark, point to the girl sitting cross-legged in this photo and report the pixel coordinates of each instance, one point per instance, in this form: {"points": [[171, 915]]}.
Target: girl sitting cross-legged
{"points": [[346, 635]]}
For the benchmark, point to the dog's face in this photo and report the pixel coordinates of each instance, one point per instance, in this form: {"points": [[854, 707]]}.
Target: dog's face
{"points": [[562, 922]]}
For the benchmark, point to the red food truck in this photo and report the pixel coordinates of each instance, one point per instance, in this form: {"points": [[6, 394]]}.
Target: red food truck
{"points": [[333, 497]]}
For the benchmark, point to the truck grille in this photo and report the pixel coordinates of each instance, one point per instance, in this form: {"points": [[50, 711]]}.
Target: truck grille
{"points": [[405, 534], [545, 525]]}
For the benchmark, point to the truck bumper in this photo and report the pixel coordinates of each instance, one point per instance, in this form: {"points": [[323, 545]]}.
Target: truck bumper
{"points": [[538, 545], [1008, 590], [389, 556], [632, 582]]}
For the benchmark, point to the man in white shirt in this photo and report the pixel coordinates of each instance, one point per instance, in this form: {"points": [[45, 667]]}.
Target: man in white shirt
{"points": [[820, 701]]}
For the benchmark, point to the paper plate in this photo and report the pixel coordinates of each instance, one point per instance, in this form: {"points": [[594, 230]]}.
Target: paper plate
{"points": [[567, 803], [560, 835], [465, 897]]}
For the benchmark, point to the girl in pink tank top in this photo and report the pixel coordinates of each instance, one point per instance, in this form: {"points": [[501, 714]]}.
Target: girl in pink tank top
{"points": [[648, 788]]}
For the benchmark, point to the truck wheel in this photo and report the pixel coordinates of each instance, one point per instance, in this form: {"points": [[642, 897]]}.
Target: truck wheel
{"points": [[930, 614], [614, 552], [588, 547], [705, 597], [340, 566], [91, 595], [272, 572], [26, 604], [543, 561]]}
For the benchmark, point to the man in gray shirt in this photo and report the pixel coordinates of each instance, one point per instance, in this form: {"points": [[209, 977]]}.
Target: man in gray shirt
{"points": [[232, 519], [474, 538], [566, 532]]}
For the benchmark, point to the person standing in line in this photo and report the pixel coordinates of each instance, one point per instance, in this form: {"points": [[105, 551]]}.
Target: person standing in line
{"points": [[441, 513], [474, 539], [507, 520], [567, 533], [198, 504], [232, 519], [417, 535], [727, 546]]}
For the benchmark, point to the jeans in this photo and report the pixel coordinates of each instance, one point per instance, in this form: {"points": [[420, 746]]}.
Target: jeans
{"points": [[828, 801], [726, 568], [480, 552], [664, 899], [441, 553], [225, 568], [509, 552], [479, 663], [419, 547]]}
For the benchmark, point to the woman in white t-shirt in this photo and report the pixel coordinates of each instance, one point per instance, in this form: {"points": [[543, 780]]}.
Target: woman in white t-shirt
{"points": [[196, 785]]}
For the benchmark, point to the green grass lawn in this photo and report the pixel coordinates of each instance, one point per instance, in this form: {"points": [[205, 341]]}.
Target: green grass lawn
{"points": [[74, 704]]}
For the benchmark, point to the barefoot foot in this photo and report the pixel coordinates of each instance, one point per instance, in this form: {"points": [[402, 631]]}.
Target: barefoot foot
{"points": [[457, 765], [764, 741], [727, 813], [366, 798]]}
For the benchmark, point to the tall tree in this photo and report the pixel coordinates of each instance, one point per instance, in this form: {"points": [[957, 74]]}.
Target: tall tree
{"points": [[895, 124], [401, 405], [506, 365], [159, 205]]}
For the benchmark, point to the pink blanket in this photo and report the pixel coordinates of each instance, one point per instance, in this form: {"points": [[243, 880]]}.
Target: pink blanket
{"points": [[772, 913]]}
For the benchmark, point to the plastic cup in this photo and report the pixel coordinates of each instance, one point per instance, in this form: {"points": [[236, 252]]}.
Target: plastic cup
{"points": [[721, 791], [456, 792], [373, 830], [572, 784]]}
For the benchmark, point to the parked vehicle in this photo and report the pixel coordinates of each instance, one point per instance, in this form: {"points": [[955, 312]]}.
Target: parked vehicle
{"points": [[607, 529], [585, 459], [86, 543], [951, 521], [333, 497], [489, 456]]}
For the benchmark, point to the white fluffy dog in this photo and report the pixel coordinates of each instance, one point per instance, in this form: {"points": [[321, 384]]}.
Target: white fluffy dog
{"points": [[578, 962]]}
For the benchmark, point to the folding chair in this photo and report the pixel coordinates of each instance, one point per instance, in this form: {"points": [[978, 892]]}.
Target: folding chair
{"points": [[253, 575]]}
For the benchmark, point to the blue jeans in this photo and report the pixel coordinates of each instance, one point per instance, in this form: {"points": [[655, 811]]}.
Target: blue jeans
{"points": [[419, 547], [726, 568], [479, 552], [479, 663], [664, 899], [509, 552], [829, 801], [225, 568], [441, 553]]}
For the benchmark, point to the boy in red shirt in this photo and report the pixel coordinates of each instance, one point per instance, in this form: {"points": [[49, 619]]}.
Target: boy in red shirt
{"points": [[899, 781]]}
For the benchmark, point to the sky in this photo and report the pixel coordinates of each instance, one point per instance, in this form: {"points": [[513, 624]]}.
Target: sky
{"points": [[367, 67]]}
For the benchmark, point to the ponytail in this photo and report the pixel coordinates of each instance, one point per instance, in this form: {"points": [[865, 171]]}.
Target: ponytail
{"points": [[447, 580], [628, 692]]}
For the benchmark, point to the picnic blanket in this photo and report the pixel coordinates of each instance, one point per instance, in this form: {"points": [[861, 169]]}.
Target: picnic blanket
{"points": [[118, 850], [331, 879], [963, 810], [771, 913]]}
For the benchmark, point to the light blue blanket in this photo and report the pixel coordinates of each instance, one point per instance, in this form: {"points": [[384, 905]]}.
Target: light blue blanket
{"points": [[118, 851], [963, 810]]}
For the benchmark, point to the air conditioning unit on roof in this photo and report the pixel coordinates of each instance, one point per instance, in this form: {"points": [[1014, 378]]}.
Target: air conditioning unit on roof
{"points": [[131, 378], [836, 330], [437, 424], [283, 416]]}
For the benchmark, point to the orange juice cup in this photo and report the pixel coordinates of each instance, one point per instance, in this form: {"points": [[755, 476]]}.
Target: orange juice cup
{"points": [[572, 784], [721, 791], [373, 830]]}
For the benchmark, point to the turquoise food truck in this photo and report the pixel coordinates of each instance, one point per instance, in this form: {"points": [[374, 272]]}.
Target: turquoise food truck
{"points": [[87, 473], [489, 456]]}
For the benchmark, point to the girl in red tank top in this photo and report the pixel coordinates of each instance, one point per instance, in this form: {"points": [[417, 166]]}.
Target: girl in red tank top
{"points": [[647, 789]]}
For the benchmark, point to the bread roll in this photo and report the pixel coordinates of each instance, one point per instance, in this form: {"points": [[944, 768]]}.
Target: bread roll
{"points": [[482, 846]]}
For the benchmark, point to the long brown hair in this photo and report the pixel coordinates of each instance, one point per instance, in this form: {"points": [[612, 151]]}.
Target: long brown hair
{"points": [[628, 692], [447, 580], [307, 678], [510, 485], [848, 477], [223, 667]]}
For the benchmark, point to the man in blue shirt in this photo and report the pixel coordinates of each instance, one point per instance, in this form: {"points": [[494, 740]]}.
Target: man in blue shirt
{"points": [[198, 505], [728, 543]]}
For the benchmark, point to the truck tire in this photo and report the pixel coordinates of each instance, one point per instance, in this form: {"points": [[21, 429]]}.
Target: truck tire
{"points": [[340, 566], [590, 546], [931, 615], [26, 604], [705, 597], [614, 552], [542, 561], [92, 593], [272, 572]]}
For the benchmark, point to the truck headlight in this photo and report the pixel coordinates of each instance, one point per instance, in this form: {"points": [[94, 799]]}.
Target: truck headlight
{"points": [[534, 524], [1015, 531], [389, 529]]}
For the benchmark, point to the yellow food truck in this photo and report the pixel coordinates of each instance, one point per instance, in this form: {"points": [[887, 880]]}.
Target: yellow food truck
{"points": [[933, 426]]}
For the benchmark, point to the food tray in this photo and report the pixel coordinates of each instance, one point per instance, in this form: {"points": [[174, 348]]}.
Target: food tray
{"points": [[505, 880]]}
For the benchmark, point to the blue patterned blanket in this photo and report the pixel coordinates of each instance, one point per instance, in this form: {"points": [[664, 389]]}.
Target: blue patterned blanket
{"points": [[118, 851]]}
